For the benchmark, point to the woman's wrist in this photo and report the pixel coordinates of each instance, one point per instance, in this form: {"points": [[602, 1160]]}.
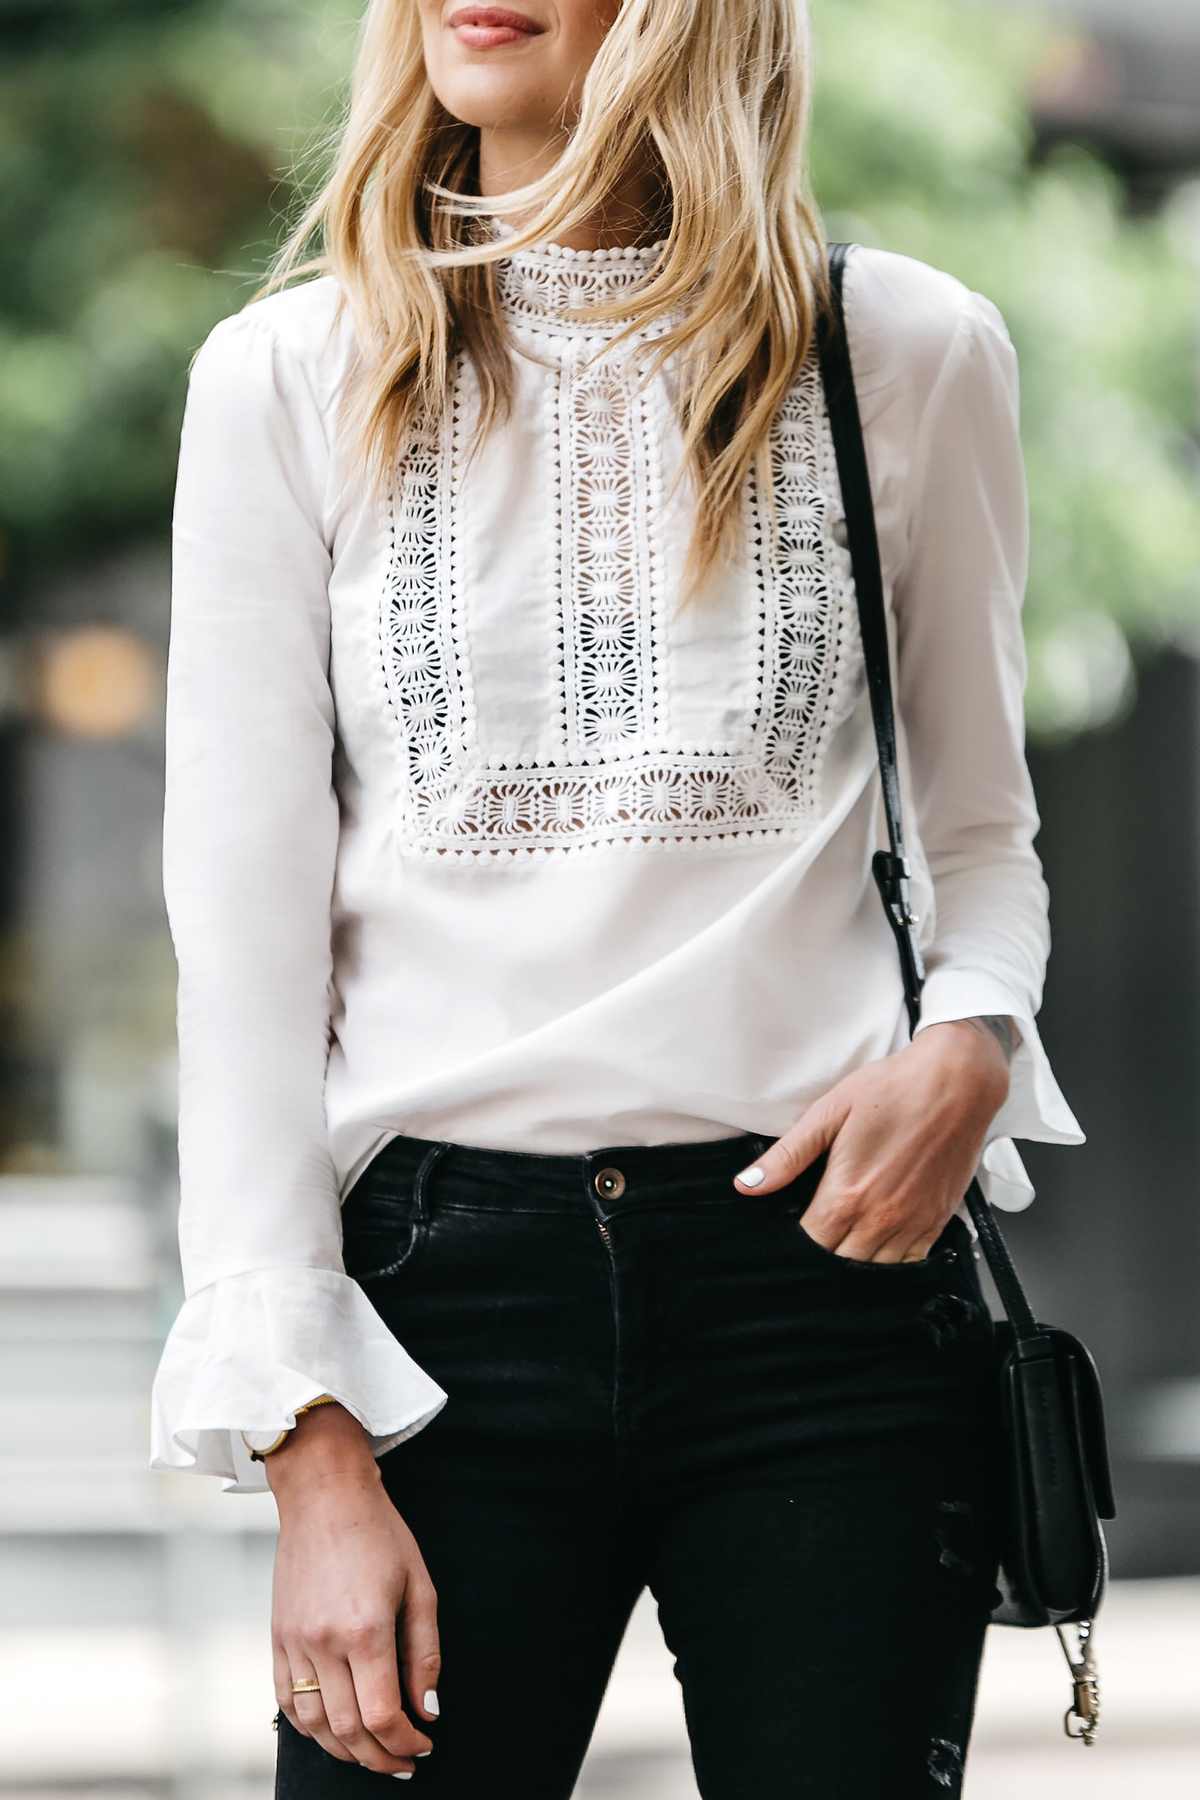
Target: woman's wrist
{"points": [[988, 1043], [328, 1445], [1000, 1029]]}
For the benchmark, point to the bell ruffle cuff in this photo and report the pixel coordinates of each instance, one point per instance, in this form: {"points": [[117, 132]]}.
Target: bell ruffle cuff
{"points": [[247, 1351]]}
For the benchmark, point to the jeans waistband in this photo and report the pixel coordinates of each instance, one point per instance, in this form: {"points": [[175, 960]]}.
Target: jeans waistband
{"points": [[615, 1177]]}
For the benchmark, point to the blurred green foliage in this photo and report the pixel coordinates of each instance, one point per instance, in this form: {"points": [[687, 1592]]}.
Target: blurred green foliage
{"points": [[146, 149], [147, 157], [922, 144]]}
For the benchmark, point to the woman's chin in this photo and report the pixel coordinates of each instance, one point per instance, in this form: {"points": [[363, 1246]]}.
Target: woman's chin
{"points": [[488, 98]]}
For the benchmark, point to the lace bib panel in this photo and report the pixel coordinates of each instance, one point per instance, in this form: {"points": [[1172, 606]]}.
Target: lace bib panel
{"points": [[544, 692]]}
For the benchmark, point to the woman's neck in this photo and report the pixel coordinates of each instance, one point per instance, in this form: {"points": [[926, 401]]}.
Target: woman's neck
{"points": [[631, 211]]}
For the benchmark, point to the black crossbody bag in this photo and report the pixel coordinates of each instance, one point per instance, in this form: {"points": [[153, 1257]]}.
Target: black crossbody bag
{"points": [[1055, 1469]]}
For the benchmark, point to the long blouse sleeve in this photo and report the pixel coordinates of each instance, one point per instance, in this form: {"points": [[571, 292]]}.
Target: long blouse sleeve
{"points": [[960, 683], [270, 1319]]}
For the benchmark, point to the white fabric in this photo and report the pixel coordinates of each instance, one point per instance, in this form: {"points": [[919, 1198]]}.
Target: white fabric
{"points": [[472, 835]]}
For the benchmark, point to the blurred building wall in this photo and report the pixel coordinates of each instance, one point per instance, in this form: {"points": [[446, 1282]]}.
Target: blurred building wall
{"points": [[1112, 1244], [1136, 96]]}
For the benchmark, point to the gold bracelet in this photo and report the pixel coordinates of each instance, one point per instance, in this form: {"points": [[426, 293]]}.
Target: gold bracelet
{"points": [[261, 1455]]}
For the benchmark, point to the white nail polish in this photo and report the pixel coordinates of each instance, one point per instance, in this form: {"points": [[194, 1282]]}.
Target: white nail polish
{"points": [[421, 1753], [431, 1702], [752, 1177], [402, 1775]]}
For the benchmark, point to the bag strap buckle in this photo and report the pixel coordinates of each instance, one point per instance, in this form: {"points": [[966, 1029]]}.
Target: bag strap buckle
{"points": [[892, 874], [1082, 1718]]}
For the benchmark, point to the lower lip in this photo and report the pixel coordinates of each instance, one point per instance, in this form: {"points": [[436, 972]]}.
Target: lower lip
{"points": [[490, 37]]}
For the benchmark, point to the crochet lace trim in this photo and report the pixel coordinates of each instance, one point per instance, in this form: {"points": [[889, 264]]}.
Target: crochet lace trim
{"points": [[613, 775], [538, 286]]}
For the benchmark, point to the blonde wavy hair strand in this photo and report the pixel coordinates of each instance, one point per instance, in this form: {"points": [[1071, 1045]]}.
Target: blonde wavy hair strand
{"points": [[716, 94]]}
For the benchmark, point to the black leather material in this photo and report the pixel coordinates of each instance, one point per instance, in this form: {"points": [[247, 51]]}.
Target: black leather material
{"points": [[1000, 1262], [889, 867], [1055, 1462], [1055, 1455]]}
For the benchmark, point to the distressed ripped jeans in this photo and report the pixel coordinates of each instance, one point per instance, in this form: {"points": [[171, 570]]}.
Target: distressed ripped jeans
{"points": [[656, 1381]]}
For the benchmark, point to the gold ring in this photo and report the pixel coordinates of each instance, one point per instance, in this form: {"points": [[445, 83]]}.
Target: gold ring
{"points": [[310, 1685]]}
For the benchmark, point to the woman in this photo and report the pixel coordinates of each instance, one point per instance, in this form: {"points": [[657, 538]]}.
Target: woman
{"points": [[522, 794]]}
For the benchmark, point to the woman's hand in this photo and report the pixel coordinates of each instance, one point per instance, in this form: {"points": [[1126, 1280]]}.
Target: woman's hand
{"points": [[904, 1138], [346, 1571]]}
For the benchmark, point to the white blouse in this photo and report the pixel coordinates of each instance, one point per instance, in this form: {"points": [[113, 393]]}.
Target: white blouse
{"points": [[473, 834]]}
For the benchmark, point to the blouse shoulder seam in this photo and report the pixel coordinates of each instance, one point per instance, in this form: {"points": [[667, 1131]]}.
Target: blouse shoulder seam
{"points": [[257, 317], [296, 395]]}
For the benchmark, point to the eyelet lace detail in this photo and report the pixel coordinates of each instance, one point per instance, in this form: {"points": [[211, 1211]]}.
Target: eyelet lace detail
{"points": [[539, 285], [426, 679], [607, 566], [612, 772]]}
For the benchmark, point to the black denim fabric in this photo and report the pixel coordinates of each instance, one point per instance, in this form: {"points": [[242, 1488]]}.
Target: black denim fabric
{"points": [[677, 1388]]}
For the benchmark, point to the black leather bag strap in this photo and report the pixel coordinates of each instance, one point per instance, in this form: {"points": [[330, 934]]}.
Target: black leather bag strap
{"points": [[890, 867]]}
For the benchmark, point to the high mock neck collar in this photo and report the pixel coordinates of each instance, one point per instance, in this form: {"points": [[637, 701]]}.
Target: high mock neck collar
{"points": [[538, 285]]}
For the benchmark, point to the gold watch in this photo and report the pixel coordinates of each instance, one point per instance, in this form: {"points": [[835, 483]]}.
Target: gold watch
{"points": [[261, 1444]]}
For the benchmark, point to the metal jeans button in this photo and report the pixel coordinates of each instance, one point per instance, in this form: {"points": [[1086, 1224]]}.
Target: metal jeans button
{"points": [[610, 1184]]}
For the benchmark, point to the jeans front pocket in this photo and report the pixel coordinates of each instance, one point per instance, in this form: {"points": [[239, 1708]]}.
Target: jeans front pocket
{"points": [[943, 1256], [384, 1222]]}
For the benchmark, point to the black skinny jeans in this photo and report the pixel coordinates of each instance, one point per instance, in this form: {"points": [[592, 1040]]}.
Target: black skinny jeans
{"points": [[656, 1381]]}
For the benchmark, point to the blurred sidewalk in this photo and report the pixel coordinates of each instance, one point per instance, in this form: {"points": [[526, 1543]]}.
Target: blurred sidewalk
{"points": [[140, 1710], [1149, 1650]]}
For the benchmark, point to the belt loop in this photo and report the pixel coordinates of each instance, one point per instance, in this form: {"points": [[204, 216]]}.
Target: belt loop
{"points": [[420, 1185]]}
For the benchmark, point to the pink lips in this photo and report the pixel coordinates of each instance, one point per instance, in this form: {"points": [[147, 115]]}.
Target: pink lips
{"points": [[487, 27]]}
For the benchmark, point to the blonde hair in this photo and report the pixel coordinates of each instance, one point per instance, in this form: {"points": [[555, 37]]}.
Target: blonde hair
{"points": [[715, 94]]}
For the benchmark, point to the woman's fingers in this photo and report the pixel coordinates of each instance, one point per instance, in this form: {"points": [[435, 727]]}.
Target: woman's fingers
{"points": [[310, 1712], [376, 1676], [306, 1711], [870, 1241], [791, 1154], [873, 1210], [335, 1716], [913, 1242], [339, 1726], [420, 1650], [283, 1682]]}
